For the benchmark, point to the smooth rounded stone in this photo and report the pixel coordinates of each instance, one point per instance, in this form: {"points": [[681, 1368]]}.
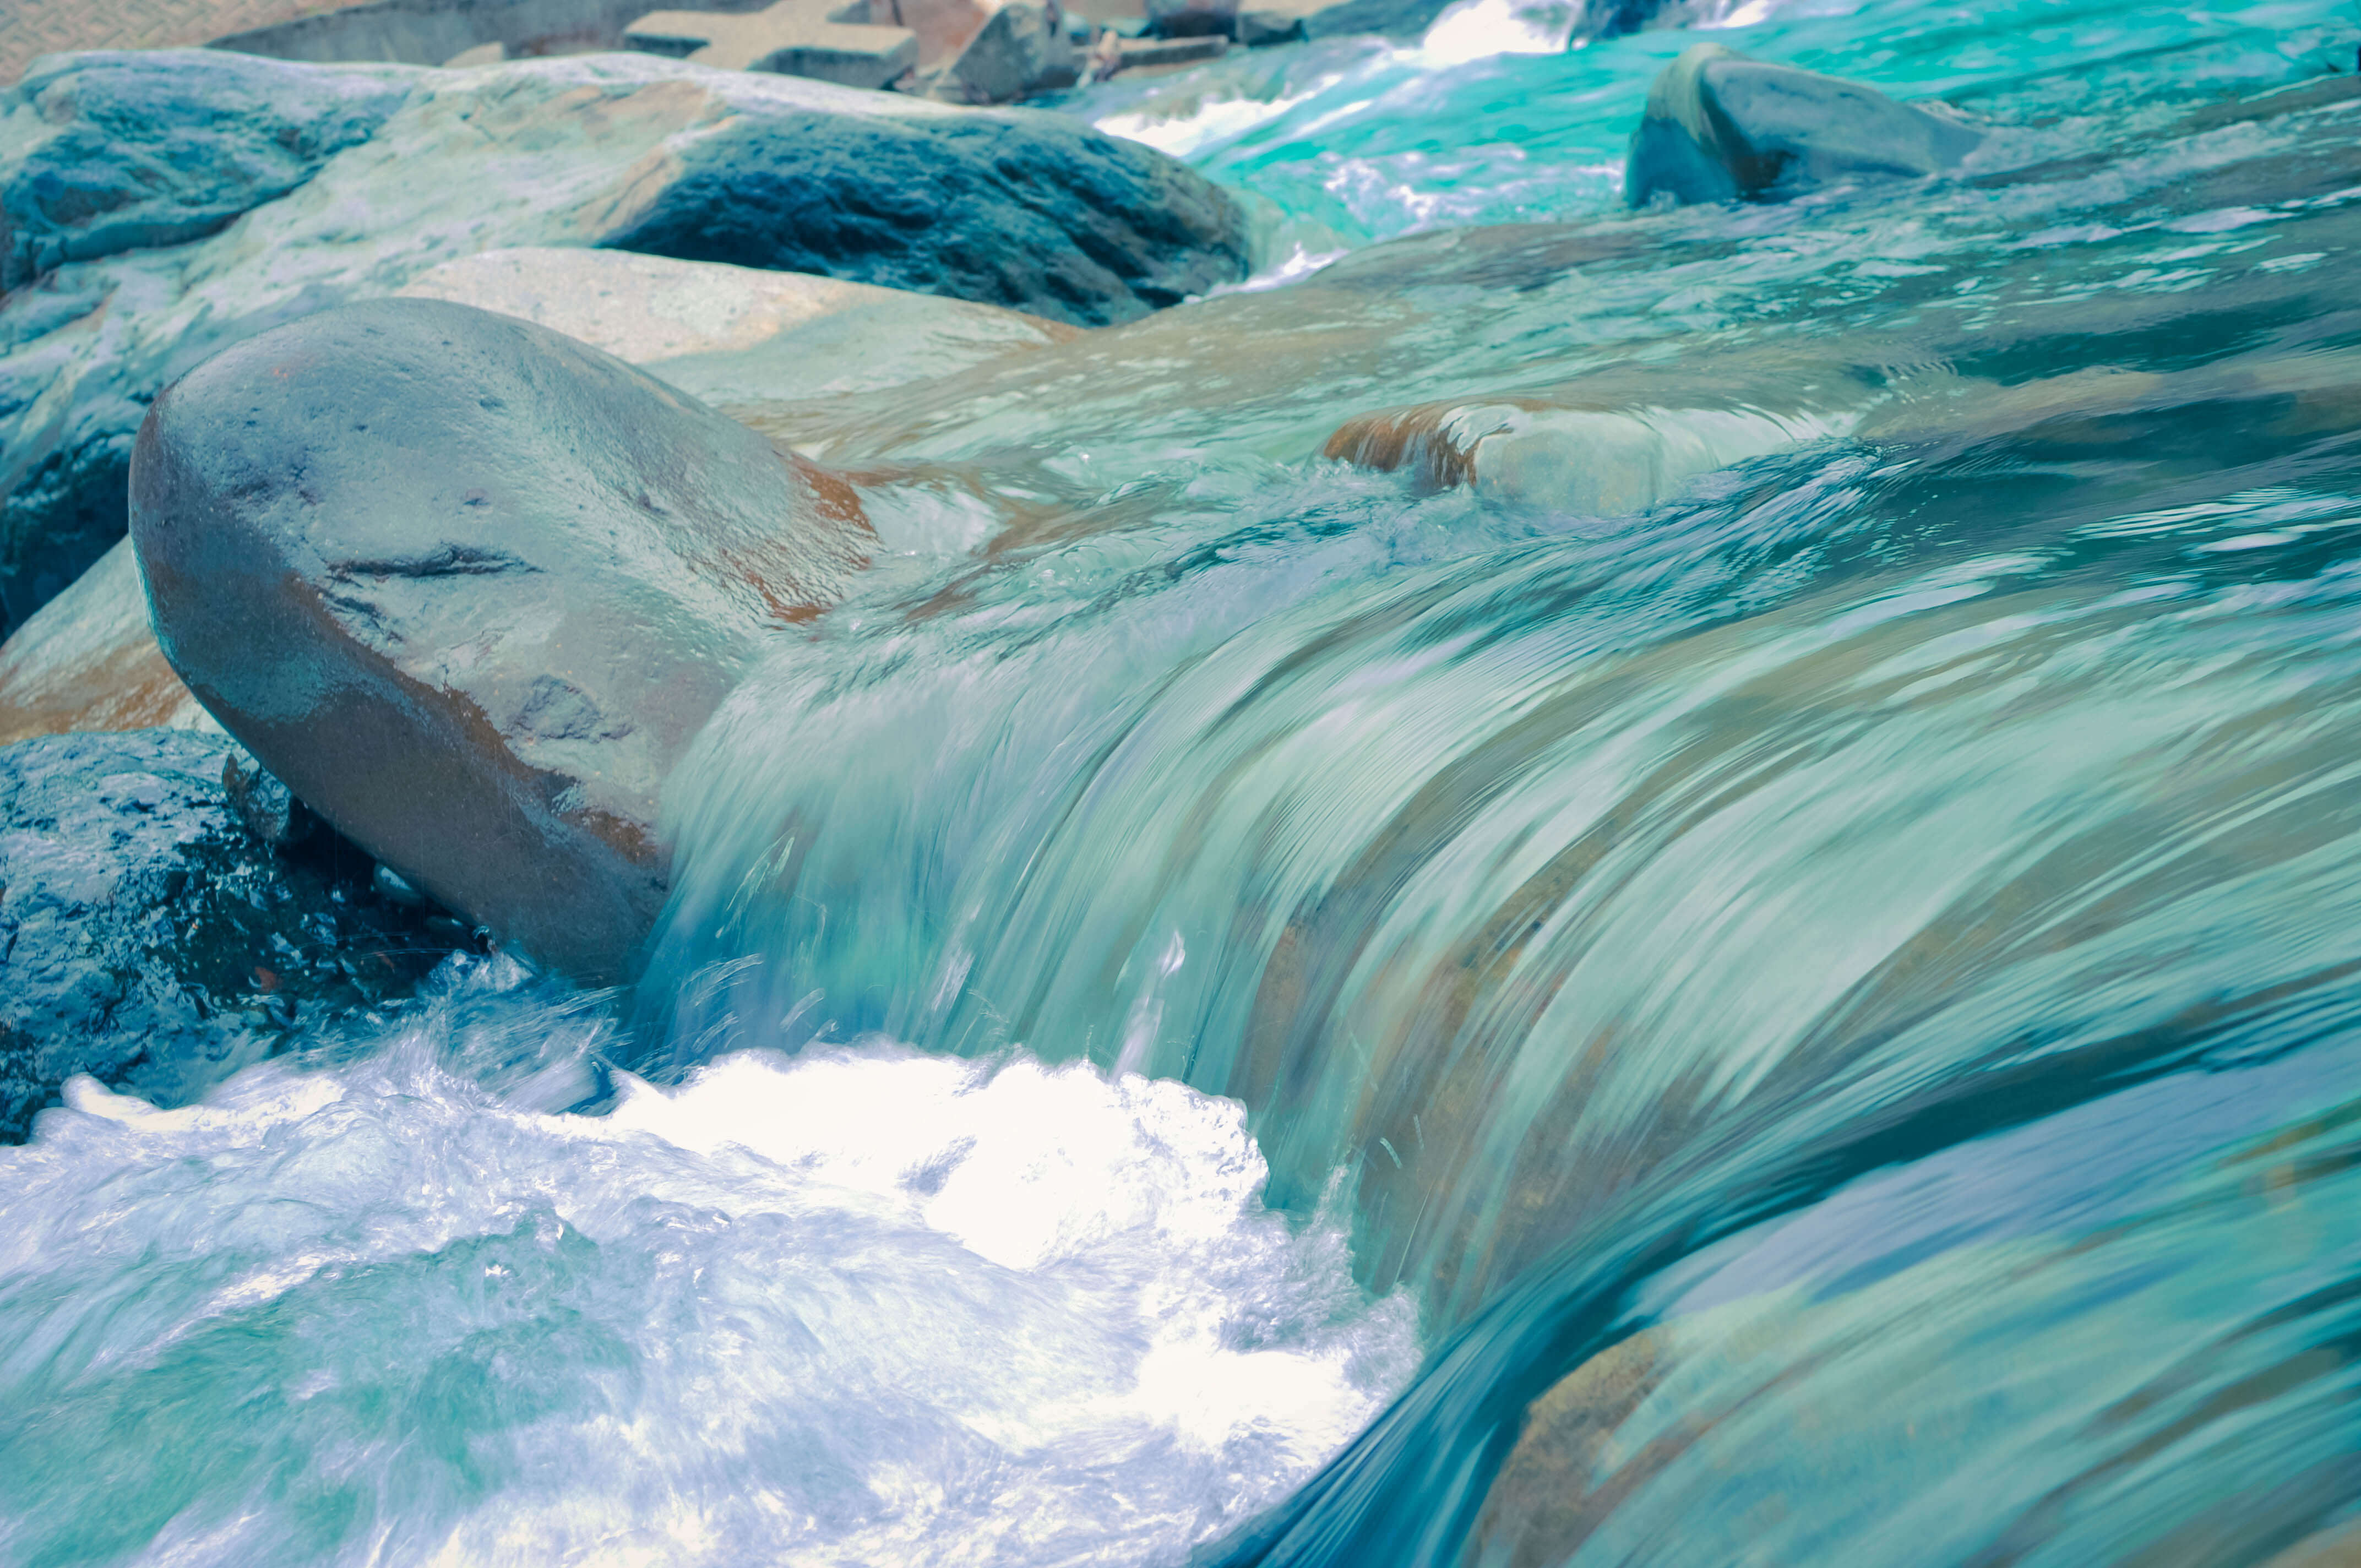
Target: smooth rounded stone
{"points": [[738, 334], [148, 938], [469, 588], [1598, 462], [1721, 127], [1023, 209], [88, 660], [727, 335]]}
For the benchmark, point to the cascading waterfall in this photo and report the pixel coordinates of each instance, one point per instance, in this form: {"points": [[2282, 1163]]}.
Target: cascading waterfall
{"points": [[1802, 947]]}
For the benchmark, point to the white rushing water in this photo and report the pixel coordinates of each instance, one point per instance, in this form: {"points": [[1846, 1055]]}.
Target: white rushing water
{"points": [[864, 1306]]}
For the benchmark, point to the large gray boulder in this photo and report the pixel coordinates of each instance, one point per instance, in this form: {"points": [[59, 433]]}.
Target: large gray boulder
{"points": [[314, 185], [1721, 127], [149, 938], [469, 588]]}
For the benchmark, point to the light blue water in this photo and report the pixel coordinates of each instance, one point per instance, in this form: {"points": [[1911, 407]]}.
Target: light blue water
{"points": [[1808, 927]]}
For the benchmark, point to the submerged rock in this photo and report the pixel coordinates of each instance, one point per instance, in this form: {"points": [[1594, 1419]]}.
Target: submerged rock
{"points": [[1595, 461], [1721, 127], [469, 588], [387, 173], [148, 938]]}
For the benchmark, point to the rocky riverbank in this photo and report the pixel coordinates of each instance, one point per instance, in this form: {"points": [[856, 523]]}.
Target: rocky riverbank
{"points": [[472, 588]]}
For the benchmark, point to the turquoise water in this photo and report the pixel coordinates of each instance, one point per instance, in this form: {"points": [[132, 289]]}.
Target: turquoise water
{"points": [[1773, 977]]}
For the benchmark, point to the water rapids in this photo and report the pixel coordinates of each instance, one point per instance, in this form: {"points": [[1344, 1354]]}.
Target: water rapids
{"points": [[1779, 982]]}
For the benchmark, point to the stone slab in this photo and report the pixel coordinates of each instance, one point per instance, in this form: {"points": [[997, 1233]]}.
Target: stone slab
{"points": [[793, 38]]}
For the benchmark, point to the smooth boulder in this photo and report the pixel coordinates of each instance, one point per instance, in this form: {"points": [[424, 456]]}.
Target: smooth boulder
{"points": [[1721, 127], [149, 939], [387, 173], [469, 588]]}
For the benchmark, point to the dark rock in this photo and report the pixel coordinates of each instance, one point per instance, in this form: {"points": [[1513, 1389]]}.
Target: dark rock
{"points": [[103, 153], [58, 520], [469, 588], [271, 811], [1721, 127], [149, 939], [1002, 206]]}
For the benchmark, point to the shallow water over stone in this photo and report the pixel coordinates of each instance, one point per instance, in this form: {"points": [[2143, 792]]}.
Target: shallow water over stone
{"points": [[1754, 809]]}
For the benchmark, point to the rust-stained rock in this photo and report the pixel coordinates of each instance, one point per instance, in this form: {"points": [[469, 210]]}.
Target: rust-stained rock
{"points": [[469, 588], [1545, 453], [87, 661]]}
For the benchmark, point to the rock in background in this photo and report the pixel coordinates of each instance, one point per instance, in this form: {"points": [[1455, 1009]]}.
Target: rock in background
{"points": [[150, 938], [207, 227], [1721, 127]]}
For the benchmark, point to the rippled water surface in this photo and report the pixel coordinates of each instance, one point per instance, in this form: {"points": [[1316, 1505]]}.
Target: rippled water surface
{"points": [[1766, 969]]}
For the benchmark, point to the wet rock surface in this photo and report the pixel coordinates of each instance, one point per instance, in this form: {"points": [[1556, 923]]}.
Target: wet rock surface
{"points": [[88, 660], [503, 580], [992, 205], [105, 153], [736, 334], [148, 938], [383, 174], [1721, 127]]}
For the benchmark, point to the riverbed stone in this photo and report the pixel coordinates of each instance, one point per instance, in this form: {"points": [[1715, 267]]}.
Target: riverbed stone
{"points": [[87, 660], [469, 588], [1721, 127], [1012, 207], [103, 153], [148, 938], [730, 336], [1593, 460], [738, 334]]}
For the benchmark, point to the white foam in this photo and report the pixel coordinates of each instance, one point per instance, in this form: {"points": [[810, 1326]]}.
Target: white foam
{"points": [[860, 1307]]}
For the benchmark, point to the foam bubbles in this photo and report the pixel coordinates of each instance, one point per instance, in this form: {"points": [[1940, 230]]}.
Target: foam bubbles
{"points": [[865, 1307]]}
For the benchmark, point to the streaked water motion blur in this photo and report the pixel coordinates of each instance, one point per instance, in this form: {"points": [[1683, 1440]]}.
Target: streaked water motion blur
{"points": [[1803, 914]]}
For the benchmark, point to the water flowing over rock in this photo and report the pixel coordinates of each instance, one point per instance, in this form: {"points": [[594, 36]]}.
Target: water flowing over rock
{"points": [[1595, 461], [469, 586], [1723, 127], [148, 938], [397, 169]]}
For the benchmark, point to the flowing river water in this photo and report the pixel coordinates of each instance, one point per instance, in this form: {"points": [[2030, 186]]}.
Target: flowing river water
{"points": [[1769, 974]]}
